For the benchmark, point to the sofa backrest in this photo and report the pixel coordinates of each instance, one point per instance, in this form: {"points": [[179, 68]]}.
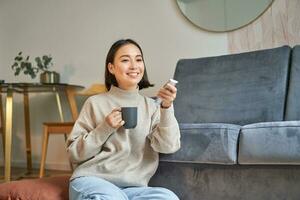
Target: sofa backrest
{"points": [[240, 89], [293, 100]]}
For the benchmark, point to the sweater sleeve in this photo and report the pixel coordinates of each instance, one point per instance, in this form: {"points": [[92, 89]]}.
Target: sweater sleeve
{"points": [[87, 137], [165, 134]]}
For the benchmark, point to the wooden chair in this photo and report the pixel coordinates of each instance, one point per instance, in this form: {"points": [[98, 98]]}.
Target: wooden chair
{"points": [[65, 128]]}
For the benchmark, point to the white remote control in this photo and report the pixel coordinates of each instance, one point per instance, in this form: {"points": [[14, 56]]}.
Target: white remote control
{"points": [[172, 82]]}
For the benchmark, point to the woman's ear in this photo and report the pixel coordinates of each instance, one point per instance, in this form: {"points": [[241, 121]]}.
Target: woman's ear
{"points": [[111, 68]]}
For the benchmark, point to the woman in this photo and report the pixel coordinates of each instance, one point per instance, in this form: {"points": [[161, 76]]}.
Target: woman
{"points": [[112, 163]]}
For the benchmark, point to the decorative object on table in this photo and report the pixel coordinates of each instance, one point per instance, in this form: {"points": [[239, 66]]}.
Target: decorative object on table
{"points": [[49, 77], [43, 63]]}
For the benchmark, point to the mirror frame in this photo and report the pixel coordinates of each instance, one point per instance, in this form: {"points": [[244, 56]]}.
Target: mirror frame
{"points": [[224, 31]]}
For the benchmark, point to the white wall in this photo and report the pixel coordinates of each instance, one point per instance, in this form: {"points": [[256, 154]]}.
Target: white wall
{"points": [[78, 35]]}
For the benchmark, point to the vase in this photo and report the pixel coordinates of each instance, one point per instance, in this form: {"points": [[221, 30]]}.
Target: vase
{"points": [[49, 77]]}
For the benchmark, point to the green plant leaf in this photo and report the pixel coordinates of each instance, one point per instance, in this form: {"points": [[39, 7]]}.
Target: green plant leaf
{"points": [[17, 72], [32, 74], [18, 58], [23, 65], [14, 65], [27, 67], [39, 63], [47, 61], [38, 60]]}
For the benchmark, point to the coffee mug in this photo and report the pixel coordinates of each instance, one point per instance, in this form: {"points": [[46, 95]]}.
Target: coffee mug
{"points": [[129, 115]]}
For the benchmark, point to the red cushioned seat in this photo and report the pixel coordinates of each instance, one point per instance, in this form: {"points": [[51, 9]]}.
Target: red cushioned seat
{"points": [[51, 188]]}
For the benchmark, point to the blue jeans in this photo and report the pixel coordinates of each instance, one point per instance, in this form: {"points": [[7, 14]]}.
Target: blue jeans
{"points": [[95, 188]]}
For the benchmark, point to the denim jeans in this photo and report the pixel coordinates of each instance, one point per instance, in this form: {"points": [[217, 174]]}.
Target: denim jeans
{"points": [[95, 188]]}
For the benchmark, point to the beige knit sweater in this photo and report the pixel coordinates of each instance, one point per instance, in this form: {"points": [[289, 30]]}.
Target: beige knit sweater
{"points": [[125, 158]]}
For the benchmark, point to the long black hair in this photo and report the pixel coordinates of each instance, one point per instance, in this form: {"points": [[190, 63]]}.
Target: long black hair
{"points": [[110, 79]]}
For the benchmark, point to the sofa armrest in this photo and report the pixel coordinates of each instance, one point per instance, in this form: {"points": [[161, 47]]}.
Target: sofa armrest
{"points": [[210, 143]]}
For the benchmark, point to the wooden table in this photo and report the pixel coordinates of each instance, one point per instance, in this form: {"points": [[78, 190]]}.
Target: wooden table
{"points": [[25, 89]]}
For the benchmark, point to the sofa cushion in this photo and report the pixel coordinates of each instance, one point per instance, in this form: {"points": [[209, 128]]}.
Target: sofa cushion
{"points": [[206, 143], [52, 188], [270, 143], [292, 108], [236, 89]]}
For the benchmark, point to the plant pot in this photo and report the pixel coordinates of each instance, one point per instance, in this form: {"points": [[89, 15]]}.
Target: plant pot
{"points": [[49, 77]]}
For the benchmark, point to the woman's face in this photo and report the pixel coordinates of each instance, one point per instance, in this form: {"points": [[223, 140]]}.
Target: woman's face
{"points": [[128, 67]]}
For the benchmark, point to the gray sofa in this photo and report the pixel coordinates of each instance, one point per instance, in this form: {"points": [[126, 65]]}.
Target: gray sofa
{"points": [[238, 116]]}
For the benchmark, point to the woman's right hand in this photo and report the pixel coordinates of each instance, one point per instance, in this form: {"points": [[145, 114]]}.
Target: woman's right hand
{"points": [[114, 119]]}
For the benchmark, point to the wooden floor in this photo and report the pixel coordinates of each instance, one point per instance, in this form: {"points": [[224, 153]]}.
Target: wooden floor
{"points": [[21, 173]]}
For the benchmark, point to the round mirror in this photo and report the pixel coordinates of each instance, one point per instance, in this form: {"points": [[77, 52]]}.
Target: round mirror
{"points": [[222, 15]]}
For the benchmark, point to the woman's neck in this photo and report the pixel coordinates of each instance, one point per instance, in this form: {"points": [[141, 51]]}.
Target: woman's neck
{"points": [[128, 88]]}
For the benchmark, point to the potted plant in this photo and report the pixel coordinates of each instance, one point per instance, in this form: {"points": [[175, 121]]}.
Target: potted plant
{"points": [[22, 64]]}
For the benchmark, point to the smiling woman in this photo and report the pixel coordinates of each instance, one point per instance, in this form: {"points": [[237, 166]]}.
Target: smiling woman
{"points": [[115, 160], [128, 67], [222, 15], [128, 54]]}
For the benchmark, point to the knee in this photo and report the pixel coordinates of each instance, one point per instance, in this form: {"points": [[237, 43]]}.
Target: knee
{"points": [[94, 188], [165, 193]]}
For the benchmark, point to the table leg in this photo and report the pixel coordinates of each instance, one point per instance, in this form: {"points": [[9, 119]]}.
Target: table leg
{"points": [[58, 101], [8, 134], [27, 131], [2, 124], [62, 119]]}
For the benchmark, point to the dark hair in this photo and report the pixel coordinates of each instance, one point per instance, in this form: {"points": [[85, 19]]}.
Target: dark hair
{"points": [[110, 79]]}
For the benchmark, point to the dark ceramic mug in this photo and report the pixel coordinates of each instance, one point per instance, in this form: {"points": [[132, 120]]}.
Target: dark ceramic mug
{"points": [[129, 115]]}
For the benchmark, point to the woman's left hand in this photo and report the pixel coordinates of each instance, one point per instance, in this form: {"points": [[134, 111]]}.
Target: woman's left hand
{"points": [[167, 95]]}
